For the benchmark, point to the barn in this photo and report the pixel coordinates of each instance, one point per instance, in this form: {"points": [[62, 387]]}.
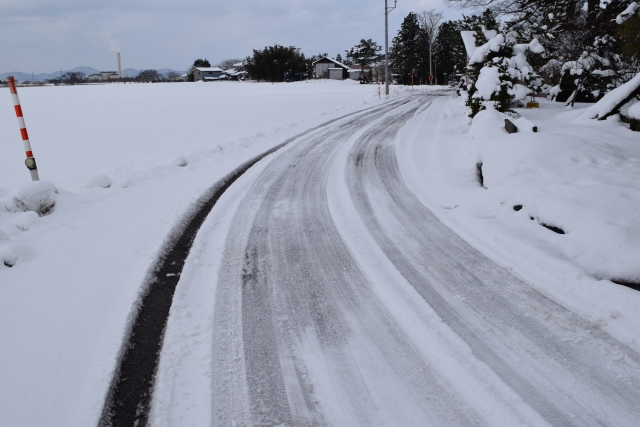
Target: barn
{"points": [[328, 68]]}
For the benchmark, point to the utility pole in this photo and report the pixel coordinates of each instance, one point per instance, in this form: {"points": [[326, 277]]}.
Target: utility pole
{"points": [[430, 73], [386, 44]]}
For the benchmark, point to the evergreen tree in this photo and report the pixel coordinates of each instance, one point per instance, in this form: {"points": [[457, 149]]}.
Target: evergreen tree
{"points": [[271, 63], [407, 50], [499, 65], [338, 58], [450, 51], [364, 54]]}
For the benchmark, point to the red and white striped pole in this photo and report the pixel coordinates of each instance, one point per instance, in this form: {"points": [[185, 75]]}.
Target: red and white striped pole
{"points": [[30, 161]]}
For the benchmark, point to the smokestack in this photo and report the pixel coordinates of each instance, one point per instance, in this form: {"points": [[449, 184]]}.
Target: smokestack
{"points": [[119, 67]]}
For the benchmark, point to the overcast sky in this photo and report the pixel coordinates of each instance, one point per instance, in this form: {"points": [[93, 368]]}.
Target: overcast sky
{"points": [[47, 35]]}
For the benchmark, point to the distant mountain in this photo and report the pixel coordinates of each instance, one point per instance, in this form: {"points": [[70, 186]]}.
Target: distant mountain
{"points": [[23, 77]]}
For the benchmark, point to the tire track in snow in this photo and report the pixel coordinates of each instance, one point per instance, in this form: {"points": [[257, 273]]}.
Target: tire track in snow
{"points": [[570, 372], [298, 331], [129, 397]]}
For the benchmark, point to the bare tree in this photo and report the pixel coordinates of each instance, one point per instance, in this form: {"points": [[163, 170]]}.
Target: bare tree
{"points": [[429, 21], [73, 77], [228, 63], [172, 76], [148, 76]]}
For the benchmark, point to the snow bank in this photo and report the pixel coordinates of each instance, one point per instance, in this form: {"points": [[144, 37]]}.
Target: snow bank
{"points": [[579, 178], [487, 123], [37, 196]]}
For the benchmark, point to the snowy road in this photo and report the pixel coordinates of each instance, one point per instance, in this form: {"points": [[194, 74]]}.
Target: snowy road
{"points": [[342, 300]]}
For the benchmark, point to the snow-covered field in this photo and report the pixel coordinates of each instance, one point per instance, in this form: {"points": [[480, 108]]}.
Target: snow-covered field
{"points": [[126, 161], [77, 272]]}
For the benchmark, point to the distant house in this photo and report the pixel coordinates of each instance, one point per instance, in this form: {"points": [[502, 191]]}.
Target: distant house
{"points": [[208, 74], [237, 72], [103, 76], [328, 68], [375, 70], [355, 71]]}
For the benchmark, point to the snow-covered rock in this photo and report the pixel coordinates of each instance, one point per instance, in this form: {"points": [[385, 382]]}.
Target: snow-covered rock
{"points": [[100, 180], [180, 161], [37, 196]]}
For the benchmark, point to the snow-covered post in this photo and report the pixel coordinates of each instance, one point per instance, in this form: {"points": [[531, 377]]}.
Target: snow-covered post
{"points": [[30, 161]]}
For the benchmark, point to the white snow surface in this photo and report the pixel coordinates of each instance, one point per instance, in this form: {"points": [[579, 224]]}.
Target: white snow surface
{"points": [[111, 151], [582, 176], [77, 272]]}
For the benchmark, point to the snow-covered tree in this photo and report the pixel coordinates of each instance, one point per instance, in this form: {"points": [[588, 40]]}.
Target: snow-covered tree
{"points": [[499, 67]]}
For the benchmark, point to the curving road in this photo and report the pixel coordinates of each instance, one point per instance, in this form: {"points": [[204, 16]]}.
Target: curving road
{"points": [[304, 335]]}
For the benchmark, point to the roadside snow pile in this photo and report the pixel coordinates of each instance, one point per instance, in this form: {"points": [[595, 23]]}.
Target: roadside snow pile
{"points": [[576, 183], [37, 197]]}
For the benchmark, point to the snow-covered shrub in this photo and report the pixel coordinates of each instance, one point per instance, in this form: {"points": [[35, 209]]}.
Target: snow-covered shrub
{"points": [[37, 196], [593, 73], [498, 66]]}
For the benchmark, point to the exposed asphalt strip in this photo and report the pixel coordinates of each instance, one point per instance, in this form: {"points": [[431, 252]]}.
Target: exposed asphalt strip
{"points": [[129, 398]]}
